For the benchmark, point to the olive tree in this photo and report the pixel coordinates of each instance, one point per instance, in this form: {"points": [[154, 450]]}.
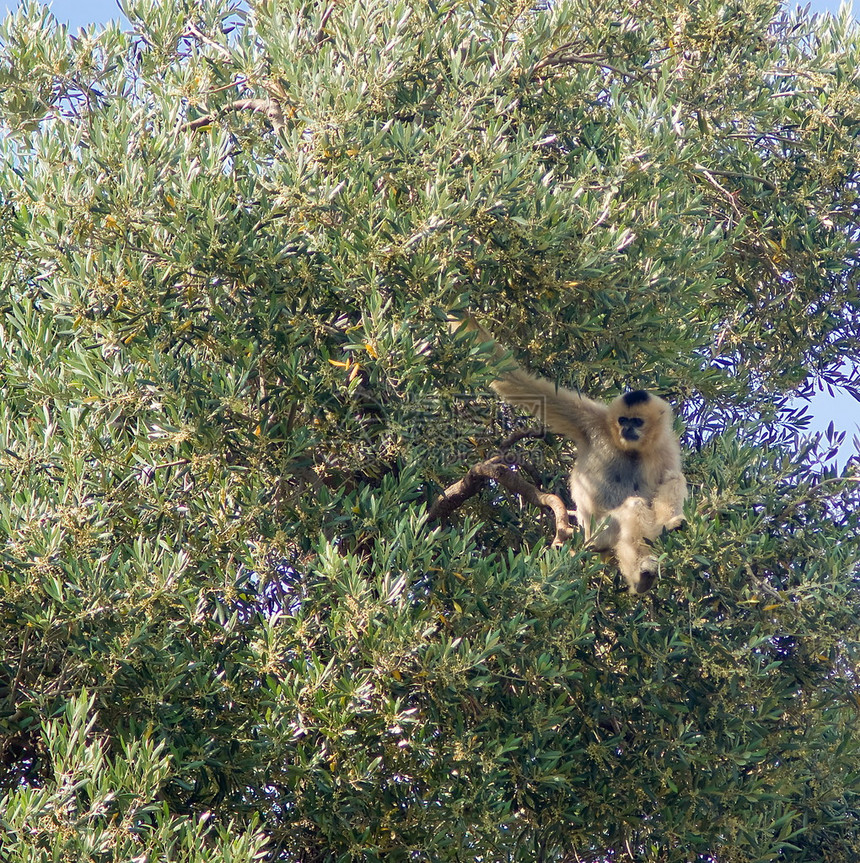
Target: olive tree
{"points": [[235, 624]]}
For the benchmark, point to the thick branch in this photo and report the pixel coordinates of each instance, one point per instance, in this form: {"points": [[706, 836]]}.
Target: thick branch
{"points": [[458, 493], [514, 482]]}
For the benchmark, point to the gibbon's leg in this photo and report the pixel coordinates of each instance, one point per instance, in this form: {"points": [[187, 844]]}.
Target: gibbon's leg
{"points": [[636, 524], [669, 503], [633, 518], [637, 566]]}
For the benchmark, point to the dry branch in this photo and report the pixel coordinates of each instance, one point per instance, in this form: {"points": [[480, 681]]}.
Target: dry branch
{"points": [[478, 476]]}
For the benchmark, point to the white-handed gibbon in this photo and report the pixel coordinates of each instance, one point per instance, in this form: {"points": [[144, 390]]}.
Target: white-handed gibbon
{"points": [[627, 482]]}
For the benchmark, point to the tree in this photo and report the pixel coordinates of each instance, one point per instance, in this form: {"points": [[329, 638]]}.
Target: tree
{"points": [[228, 400]]}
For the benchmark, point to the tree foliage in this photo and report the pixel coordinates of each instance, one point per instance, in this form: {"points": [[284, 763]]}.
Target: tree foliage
{"points": [[229, 242]]}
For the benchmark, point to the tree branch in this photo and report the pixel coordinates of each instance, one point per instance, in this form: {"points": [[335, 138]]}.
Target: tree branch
{"points": [[321, 36], [458, 493]]}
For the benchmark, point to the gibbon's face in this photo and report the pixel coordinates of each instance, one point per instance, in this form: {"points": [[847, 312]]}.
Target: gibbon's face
{"points": [[635, 419]]}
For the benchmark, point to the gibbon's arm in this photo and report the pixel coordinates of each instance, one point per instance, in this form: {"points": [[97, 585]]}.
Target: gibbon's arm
{"points": [[668, 504], [561, 410]]}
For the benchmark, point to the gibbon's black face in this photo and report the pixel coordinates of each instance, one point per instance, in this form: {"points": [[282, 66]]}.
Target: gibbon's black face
{"points": [[630, 427], [632, 417]]}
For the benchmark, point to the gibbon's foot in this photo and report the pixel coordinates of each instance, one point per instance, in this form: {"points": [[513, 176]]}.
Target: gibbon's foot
{"points": [[676, 523], [647, 577]]}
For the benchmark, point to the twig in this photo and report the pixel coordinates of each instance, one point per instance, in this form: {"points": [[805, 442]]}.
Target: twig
{"points": [[147, 472], [20, 672], [321, 36], [195, 31], [559, 58], [517, 436], [736, 175], [805, 500], [724, 191], [269, 107]]}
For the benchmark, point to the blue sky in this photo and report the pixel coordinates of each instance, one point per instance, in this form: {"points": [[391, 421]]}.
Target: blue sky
{"points": [[841, 408], [78, 13]]}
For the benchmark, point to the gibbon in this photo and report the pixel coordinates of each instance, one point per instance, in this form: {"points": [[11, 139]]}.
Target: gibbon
{"points": [[627, 484]]}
